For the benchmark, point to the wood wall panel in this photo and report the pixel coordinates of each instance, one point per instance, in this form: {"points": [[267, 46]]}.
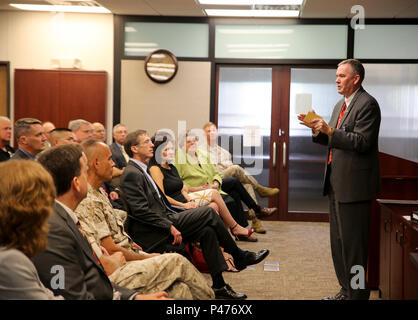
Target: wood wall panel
{"points": [[60, 95], [4, 90], [399, 181]]}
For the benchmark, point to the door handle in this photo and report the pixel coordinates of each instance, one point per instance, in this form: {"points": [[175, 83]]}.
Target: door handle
{"points": [[274, 154], [284, 155]]}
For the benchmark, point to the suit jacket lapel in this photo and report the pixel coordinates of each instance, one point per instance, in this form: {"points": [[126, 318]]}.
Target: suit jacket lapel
{"points": [[82, 241], [149, 184], [334, 121], [350, 107]]}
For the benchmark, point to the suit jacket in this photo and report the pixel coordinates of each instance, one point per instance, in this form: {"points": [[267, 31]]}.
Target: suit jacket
{"points": [[354, 168], [20, 155], [19, 279], [148, 219], [67, 247], [117, 156]]}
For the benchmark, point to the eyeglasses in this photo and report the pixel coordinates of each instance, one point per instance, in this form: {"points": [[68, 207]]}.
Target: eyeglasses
{"points": [[144, 143]]}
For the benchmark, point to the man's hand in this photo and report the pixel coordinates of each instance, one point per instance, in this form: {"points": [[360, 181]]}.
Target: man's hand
{"points": [[317, 125], [137, 246], [162, 295], [176, 235], [113, 262], [114, 196]]}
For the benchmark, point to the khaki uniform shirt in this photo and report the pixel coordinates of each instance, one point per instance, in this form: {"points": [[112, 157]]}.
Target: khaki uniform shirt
{"points": [[100, 220], [220, 157]]}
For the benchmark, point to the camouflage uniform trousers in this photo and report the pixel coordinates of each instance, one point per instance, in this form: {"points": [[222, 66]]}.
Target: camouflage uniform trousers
{"points": [[170, 272], [239, 173]]}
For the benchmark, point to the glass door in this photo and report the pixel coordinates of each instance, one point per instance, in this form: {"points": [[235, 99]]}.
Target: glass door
{"points": [[257, 111], [310, 88], [244, 118]]}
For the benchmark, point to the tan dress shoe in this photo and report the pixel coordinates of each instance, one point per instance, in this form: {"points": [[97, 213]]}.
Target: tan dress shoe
{"points": [[265, 212], [266, 192]]}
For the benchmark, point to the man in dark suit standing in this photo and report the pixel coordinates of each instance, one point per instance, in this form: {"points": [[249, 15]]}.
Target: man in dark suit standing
{"points": [[69, 253], [352, 178], [30, 137], [151, 220]]}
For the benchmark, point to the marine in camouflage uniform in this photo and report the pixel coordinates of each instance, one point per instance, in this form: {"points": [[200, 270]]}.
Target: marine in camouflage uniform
{"points": [[167, 272]]}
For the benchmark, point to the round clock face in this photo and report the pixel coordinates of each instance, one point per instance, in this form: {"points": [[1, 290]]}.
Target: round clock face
{"points": [[161, 66]]}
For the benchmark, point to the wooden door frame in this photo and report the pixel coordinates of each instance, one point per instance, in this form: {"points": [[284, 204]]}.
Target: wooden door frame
{"points": [[281, 111], [7, 64]]}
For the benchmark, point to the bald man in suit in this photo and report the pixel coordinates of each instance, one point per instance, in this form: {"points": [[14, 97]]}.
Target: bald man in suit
{"points": [[352, 178]]}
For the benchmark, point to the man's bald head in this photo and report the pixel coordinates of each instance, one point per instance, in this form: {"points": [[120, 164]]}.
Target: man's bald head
{"points": [[99, 159]]}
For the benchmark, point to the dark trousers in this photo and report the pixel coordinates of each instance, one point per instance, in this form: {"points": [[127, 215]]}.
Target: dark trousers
{"points": [[204, 225], [236, 190], [349, 234]]}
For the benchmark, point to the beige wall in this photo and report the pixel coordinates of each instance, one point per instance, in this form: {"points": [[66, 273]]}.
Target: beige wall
{"points": [[32, 39], [152, 106]]}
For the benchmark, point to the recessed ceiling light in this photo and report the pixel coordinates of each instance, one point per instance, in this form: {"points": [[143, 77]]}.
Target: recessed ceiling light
{"points": [[60, 8], [251, 2], [252, 13]]}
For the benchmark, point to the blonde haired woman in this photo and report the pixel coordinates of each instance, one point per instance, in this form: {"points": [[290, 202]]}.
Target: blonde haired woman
{"points": [[26, 196]]}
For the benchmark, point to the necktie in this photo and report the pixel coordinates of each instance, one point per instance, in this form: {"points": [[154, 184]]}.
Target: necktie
{"points": [[125, 155], [338, 123]]}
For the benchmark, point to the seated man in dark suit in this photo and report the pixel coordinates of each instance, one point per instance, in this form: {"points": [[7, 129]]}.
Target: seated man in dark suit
{"points": [[119, 156], [151, 220], [68, 252], [30, 138]]}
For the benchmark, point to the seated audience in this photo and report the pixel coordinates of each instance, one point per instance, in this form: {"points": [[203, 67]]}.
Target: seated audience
{"points": [[48, 127], [67, 246], [196, 170], [30, 138], [168, 180], [151, 221], [82, 129], [99, 131], [26, 199], [60, 136], [143, 271], [222, 159], [6, 151]]}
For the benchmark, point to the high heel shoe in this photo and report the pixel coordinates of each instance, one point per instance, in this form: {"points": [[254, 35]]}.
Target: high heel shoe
{"points": [[241, 237]]}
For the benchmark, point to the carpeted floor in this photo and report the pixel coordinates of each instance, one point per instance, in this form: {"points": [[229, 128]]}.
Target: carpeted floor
{"points": [[302, 251]]}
